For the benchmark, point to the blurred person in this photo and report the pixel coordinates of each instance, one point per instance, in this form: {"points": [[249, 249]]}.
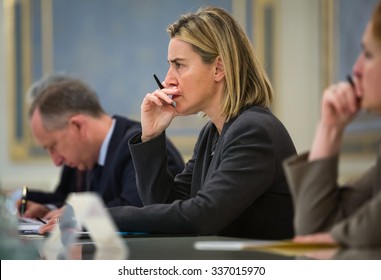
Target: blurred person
{"points": [[68, 121], [325, 212], [71, 179]]}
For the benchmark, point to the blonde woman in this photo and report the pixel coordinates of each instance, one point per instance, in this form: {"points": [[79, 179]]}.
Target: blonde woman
{"points": [[234, 183]]}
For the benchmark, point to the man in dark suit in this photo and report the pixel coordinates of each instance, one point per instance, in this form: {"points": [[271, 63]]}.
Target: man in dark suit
{"points": [[68, 121], [71, 180]]}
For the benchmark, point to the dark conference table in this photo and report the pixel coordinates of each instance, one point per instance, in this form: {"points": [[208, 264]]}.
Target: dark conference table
{"points": [[183, 248]]}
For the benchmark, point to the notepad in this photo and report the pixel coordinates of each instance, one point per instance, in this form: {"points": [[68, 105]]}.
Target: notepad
{"points": [[28, 226]]}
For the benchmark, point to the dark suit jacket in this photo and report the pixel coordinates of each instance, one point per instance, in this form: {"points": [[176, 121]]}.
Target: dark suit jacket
{"points": [[240, 190], [117, 185], [71, 180], [351, 213]]}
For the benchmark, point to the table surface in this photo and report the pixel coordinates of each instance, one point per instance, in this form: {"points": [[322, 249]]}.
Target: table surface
{"points": [[163, 247], [182, 248]]}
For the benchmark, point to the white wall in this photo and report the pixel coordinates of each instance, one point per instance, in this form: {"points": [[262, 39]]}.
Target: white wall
{"points": [[2, 94], [298, 93], [14, 175]]}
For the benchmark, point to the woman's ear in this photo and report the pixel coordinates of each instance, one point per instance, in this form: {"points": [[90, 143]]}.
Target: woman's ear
{"points": [[219, 73]]}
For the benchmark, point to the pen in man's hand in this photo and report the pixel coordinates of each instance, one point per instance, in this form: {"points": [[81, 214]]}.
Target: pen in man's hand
{"points": [[24, 199], [41, 220], [161, 87]]}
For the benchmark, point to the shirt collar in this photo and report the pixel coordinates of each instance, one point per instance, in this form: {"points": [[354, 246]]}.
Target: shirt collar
{"points": [[104, 147]]}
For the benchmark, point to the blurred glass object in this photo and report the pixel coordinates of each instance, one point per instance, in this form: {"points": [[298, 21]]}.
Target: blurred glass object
{"points": [[12, 247], [85, 213]]}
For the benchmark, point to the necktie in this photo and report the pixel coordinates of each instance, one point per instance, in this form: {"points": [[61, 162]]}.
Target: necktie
{"points": [[96, 177], [80, 181]]}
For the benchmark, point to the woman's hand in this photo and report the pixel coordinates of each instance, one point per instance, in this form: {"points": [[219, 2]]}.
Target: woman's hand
{"points": [[157, 112], [339, 106], [320, 238]]}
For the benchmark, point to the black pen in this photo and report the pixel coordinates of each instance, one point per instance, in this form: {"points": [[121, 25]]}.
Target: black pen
{"points": [[41, 220], [350, 81], [24, 199], [161, 87], [158, 81]]}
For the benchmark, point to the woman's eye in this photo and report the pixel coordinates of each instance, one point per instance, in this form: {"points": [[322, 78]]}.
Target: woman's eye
{"points": [[367, 54]]}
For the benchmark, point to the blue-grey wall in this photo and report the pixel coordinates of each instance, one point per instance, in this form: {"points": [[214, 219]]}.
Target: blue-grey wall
{"points": [[117, 45], [353, 16]]}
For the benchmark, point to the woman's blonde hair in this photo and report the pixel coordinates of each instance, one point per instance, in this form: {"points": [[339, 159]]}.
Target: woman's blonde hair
{"points": [[213, 32], [376, 22]]}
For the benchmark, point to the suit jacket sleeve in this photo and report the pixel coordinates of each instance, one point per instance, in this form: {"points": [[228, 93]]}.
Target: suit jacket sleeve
{"points": [[168, 192], [175, 160], [349, 212], [362, 227], [67, 184]]}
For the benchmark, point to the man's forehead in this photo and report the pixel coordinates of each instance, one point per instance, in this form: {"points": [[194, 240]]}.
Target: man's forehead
{"points": [[40, 133]]}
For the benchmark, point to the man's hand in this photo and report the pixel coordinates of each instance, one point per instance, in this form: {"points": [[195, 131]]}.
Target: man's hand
{"points": [[53, 218], [33, 209]]}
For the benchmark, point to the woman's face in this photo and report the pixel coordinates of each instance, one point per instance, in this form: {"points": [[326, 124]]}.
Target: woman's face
{"points": [[367, 70], [199, 88]]}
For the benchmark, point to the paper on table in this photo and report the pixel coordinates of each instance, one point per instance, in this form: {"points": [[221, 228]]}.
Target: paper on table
{"points": [[284, 247], [28, 226], [231, 245]]}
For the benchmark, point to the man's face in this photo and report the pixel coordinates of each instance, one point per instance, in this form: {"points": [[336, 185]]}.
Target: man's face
{"points": [[65, 146]]}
